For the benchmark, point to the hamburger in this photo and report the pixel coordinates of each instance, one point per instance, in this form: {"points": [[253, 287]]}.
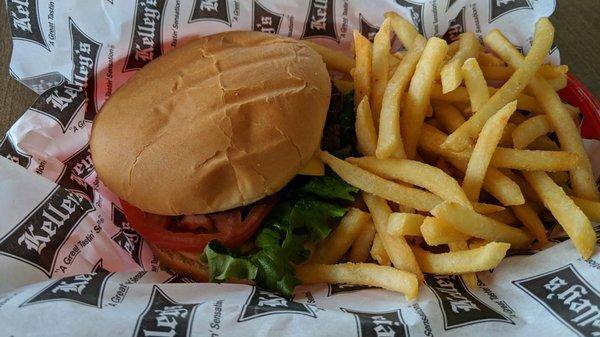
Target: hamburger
{"points": [[199, 144]]}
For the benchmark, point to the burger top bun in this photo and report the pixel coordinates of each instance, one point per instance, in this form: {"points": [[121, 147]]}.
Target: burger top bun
{"points": [[218, 123]]}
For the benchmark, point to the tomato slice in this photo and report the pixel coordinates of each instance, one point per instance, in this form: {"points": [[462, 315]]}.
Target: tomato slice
{"points": [[231, 230]]}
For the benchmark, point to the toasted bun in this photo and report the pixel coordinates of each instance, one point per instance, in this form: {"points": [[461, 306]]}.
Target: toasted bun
{"points": [[219, 123]]}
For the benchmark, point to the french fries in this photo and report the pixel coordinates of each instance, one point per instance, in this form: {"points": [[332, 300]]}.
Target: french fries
{"points": [[487, 59], [366, 136], [505, 216], [396, 246], [474, 224], [542, 41], [483, 208], [380, 68], [371, 183], [333, 59], [448, 115], [360, 250], [363, 54], [417, 98], [390, 142], [437, 232], [484, 150], [463, 261], [528, 131], [451, 72], [490, 146], [590, 208], [531, 221], [534, 160], [416, 173], [403, 29], [475, 84], [570, 217], [367, 274], [525, 102], [339, 241], [378, 252], [405, 224], [566, 130], [469, 278]]}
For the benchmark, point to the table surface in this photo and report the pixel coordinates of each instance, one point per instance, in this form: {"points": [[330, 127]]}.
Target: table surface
{"points": [[577, 34]]}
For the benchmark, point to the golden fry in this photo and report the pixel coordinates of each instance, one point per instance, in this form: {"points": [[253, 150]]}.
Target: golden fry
{"points": [[367, 274], [571, 218], [464, 261], [417, 98]]}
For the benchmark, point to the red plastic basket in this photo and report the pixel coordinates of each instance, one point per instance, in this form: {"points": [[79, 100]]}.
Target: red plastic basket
{"points": [[575, 93]]}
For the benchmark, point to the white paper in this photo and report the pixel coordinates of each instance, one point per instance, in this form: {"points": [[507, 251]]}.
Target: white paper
{"points": [[70, 265]]}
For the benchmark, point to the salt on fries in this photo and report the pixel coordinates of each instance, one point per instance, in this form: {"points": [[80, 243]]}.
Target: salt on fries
{"points": [[425, 210]]}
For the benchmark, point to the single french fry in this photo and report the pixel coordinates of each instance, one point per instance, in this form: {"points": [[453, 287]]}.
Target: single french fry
{"points": [[582, 178], [333, 59], [363, 54], [542, 41], [470, 279], [396, 246], [550, 72], [371, 183], [590, 208], [405, 224], [366, 136], [463, 261], [475, 84], [390, 141], [505, 216], [483, 208], [378, 252], [453, 48], [557, 83], [566, 212], [506, 139], [534, 160], [480, 226], [368, 274], [543, 143], [404, 30], [360, 250], [530, 130], [531, 221], [524, 186], [417, 98], [380, 68], [437, 232], [448, 115], [416, 173], [476, 243], [451, 74], [334, 246], [484, 150], [488, 59], [431, 140]]}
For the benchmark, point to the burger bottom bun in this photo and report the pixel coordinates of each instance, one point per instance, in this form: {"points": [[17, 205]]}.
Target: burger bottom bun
{"points": [[182, 263]]}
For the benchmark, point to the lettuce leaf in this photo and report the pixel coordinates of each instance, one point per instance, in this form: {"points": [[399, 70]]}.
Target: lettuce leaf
{"points": [[224, 265], [329, 187], [302, 215]]}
